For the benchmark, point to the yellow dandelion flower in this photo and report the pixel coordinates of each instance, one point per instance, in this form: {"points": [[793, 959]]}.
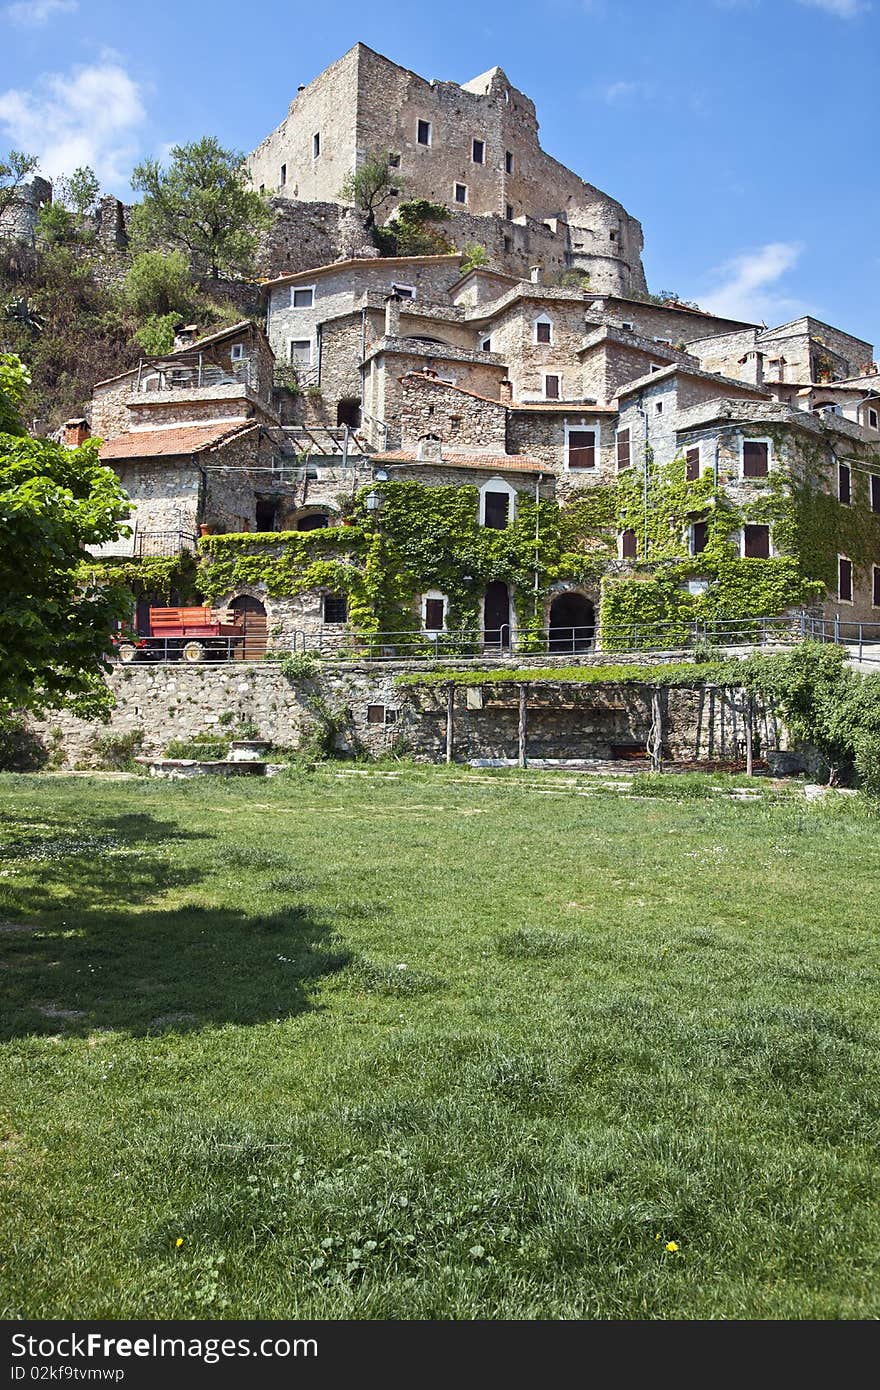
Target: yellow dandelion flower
{"points": [[671, 1246], [178, 1242]]}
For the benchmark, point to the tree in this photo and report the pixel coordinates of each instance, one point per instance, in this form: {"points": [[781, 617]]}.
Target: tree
{"points": [[473, 256], [413, 232], [55, 225], [370, 186], [158, 283], [202, 204], [54, 626], [15, 167], [79, 192]]}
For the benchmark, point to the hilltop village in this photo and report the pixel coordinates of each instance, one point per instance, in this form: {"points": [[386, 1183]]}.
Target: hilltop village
{"points": [[519, 451]]}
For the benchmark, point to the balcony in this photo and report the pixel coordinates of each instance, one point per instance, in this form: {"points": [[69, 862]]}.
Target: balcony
{"points": [[145, 543]]}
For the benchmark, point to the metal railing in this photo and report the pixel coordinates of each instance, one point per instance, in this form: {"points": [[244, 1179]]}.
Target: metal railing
{"points": [[193, 376], [163, 542], [482, 643]]}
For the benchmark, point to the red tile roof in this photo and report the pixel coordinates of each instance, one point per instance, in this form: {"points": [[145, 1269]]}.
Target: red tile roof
{"points": [[488, 463], [171, 442]]}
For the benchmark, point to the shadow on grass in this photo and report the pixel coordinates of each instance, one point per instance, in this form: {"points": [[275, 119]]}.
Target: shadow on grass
{"points": [[85, 945]]}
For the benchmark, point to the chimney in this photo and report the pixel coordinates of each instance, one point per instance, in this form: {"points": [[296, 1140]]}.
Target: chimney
{"points": [[301, 88], [430, 449], [185, 335], [76, 432], [753, 364], [505, 391], [536, 275], [392, 315]]}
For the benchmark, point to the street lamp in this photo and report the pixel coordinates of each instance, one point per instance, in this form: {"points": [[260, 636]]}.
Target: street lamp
{"points": [[373, 501]]}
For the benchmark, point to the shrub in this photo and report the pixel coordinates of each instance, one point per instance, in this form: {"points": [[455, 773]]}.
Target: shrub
{"points": [[21, 750], [117, 752], [299, 666], [201, 748]]}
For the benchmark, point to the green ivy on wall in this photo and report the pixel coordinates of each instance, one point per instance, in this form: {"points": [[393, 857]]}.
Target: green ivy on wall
{"points": [[159, 575]]}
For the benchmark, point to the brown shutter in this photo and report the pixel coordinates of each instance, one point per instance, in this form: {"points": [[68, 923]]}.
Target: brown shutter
{"points": [[876, 598], [581, 449], [551, 388], [844, 586], [434, 614], [628, 545], [623, 450], [875, 492], [692, 465], [756, 456], [757, 543], [844, 484]]}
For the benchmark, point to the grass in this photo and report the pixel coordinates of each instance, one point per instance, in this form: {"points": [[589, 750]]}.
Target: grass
{"points": [[436, 1046]]}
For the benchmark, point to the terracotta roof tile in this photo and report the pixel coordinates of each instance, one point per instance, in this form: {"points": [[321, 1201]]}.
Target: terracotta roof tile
{"points": [[171, 442], [488, 463]]}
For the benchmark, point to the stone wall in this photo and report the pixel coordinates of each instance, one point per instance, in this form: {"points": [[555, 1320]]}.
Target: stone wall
{"points": [[169, 701], [19, 221], [303, 235], [457, 417]]}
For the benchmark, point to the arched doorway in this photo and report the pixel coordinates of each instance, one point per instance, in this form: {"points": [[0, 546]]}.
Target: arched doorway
{"points": [[254, 627], [312, 521], [572, 623], [348, 412], [496, 615]]}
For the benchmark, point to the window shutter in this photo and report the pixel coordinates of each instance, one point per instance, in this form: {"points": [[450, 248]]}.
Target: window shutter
{"points": [[692, 466], [844, 583], [628, 545], [581, 449], [434, 614], [623, 450], [756, 542], [844, 484], [497, 506], [875, 492], [755, 458]]}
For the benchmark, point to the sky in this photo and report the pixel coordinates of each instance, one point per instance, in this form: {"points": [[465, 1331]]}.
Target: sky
{"points": [[741, 133]]}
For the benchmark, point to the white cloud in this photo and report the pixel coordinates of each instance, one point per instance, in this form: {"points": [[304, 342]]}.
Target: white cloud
{"points": [[746, 287], [617, 92], [842, 9], [31, 14], [87, 116]]}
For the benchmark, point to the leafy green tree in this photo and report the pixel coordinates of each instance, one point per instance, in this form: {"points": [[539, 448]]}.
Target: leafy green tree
{"points": [[473, 256], [159, 283], [414, 231], [54, 627], [15, 167], [200, 203], [156, 334], [371, 186], [79, 193], [55, 225]]}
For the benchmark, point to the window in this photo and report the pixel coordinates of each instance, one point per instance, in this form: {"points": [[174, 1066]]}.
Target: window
{"points": [[875, 492], [455, 423], [876, 587], [434, 612], [699, 537], [543, 330], [300, 352], [507, 243], [756, 542], [580, 448], [656, 367], [873, 420], [551, 388], [624, 458], [497, 509], [629, 546], [302, 298], [478, 151], [692, 465], [844, 484], [316, 144], [486, 345], [394, 161], [404, 291], [844, 579], [612, 236], [461, 192], [658, 407], [262, 189], [508, 211], [236, 352], [508, 161], [282, 177], [755, 458], [423, 132], [335, 608], [497, 504], [628, 327], [375, 714]]}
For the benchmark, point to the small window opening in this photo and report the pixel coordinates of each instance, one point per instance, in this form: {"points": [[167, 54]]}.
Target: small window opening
{"points": [[875, 492], [551, 388], [478, 151], [623, 450], [543, 331], [581, 448], [335, 608], [844, 484], [433, 615], [508, 161], [756, 458], [302, 299], [461, 193], [423, 133], [629, 545], [692, 466], [282, 177], [497, 510], [508, 211], [316, 144], [844, 579], [756, 542], [699, 537]]}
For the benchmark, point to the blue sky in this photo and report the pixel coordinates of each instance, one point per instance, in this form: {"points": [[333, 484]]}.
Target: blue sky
{"points": [[742, 133]]}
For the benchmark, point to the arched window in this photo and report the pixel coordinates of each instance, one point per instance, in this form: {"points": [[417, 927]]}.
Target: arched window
{"points": [[543, 329], [497, 504]]}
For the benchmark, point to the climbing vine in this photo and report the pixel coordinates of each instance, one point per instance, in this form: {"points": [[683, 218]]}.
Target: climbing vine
{"points": [[159, 575]]}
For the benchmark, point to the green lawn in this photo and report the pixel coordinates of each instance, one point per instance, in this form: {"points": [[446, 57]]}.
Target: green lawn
{"points": [[436, 1046]]}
